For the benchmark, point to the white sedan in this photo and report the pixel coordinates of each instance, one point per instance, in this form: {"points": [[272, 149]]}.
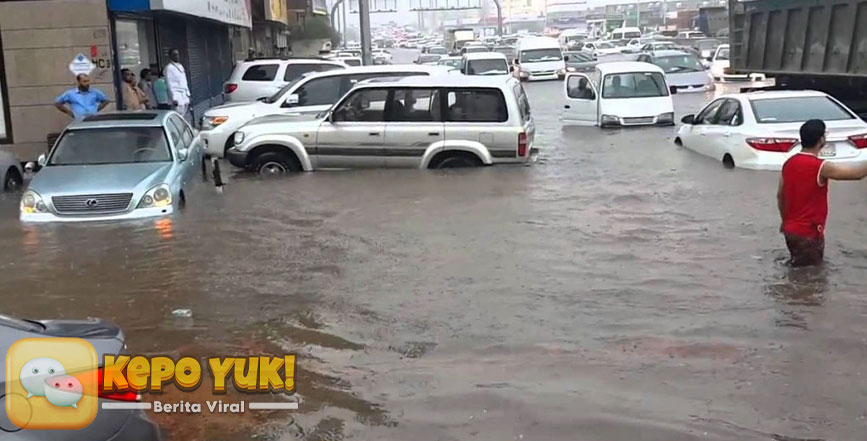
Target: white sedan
{"points": [[760, 130]]}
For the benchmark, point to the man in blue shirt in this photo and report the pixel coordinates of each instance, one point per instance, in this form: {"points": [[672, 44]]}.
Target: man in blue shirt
{"points": [[81, 101]]}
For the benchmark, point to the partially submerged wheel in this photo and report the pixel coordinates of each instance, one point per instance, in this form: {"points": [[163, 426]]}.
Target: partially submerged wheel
{"points": [[272, 164], [13, 180], [728, 161], [459, 161]]}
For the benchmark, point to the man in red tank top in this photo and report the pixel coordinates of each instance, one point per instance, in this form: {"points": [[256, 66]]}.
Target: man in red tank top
{"points": [[802, 196]]}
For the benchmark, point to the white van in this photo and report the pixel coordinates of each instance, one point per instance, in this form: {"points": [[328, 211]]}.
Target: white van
{"points": [[625, 33], [618, 94], [571, 37], [538, 58]]}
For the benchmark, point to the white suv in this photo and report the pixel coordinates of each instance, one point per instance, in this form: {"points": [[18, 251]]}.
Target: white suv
{"points": [[260, 78], [308, 95], [441, 121]]}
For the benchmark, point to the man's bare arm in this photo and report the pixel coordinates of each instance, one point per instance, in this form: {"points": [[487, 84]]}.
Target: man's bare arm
{"points": [[844, 172], [102, 105]]}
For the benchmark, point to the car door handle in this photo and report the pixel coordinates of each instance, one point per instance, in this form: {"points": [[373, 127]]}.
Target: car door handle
{"points": [[433, 134], [373, 133], [567, 106]]}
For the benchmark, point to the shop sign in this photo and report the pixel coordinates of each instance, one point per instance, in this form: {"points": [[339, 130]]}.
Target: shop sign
{"points": [[234, 12], [275, 10]]}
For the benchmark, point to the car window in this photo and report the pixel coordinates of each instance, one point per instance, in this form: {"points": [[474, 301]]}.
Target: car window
{"points": [[114, 145], [320, 91], [789, 110], [634, 85], [366, 105], [708, 115], [186, 134], [578, 87], [175, 133], [722, 53], [294, 70], [408, 105], [476, 105], [261, 72], [523, 102], [727, 113]]}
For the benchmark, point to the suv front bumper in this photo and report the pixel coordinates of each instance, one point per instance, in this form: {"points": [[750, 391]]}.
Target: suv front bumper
{"points": [[236, 157]]}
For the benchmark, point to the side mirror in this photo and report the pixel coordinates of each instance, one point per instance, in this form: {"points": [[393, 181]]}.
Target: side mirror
{"points": [[688, 119], [516, 61], [710, 58], [183, 154], [511, 68], [672, 90], [565, 58], [293, 99], [42, 160]]}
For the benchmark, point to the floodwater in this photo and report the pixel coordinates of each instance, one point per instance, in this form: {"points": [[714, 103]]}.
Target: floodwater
{"points": [[621, 288]]}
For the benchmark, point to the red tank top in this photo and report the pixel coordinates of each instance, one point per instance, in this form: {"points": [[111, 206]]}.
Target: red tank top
{"points": [[805, 196]]}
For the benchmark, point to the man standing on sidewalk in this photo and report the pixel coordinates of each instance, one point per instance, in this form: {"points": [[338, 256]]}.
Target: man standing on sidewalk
{"points": [[176, 77], [133, 97], [802, 195], [81, 101]]}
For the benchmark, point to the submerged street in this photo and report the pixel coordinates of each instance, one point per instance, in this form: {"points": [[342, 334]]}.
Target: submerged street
{"points": [[620, 287]]}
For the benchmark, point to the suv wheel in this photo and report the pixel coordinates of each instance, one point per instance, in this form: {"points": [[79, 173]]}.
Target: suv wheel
{"points": [[274, 164], [459, 161], [13, 180]]}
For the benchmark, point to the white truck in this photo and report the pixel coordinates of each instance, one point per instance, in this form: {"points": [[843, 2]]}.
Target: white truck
{"points": [[455, 39]]}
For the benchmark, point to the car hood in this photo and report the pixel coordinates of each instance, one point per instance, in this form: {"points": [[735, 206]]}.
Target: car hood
{"points": [[688, 78], [283, 124], [242, 108], [94, 179]]}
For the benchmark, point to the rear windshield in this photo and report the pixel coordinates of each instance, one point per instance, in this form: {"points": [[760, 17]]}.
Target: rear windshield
{"points": [[428, 58], [352, 62], [487, 67], [523, 103], [789, 110], [261, 72], [679, 63], [634, 85]]}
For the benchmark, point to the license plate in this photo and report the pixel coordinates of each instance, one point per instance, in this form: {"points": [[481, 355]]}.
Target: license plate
{"points": [[828, 151]]}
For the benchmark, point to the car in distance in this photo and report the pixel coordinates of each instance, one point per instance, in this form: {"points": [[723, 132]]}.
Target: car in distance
{"points": [[413, 122], [10, 172], [450, 62], [259, 78], [682, 70], [308, 95], [720, 65], [538, 58], [602, 48], [486, 64], [437, 50], [125, 165], [382, 56], [428, 59], [619, 94], [760, 130], [107, 339]]}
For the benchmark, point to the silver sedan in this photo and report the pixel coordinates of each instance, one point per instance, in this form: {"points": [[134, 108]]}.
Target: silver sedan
{"points": [[115, 166]]}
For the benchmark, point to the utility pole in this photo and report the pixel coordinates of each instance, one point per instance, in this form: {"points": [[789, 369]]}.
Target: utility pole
{"points": [[638, 15], [343, 23], [364, 27]]}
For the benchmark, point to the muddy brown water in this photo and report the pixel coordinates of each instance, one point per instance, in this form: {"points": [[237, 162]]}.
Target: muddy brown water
{"points": [[619, 289]]}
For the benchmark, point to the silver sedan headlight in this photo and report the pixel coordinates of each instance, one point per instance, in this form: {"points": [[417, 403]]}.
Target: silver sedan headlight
{"points": [[31, 202], [159, 196]]}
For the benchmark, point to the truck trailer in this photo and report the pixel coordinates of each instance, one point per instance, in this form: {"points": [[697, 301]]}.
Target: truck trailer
{"points": [[804, 44]]}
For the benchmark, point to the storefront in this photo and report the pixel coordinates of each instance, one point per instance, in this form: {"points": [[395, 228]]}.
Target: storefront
{"points": [[205, 32]]}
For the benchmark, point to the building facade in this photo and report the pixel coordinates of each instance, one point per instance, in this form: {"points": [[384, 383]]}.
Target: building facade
{"points": [[38, 40]]}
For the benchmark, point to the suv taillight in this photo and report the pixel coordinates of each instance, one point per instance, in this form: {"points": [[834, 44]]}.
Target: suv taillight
{"points": [[230, 87], [522, 144], [860, 141], [780, 145]]}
